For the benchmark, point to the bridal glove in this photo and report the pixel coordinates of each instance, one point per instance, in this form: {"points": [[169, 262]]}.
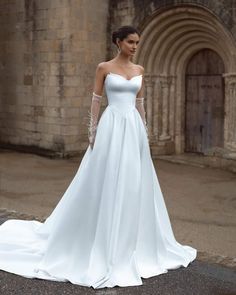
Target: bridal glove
{"points": [[141, 109], [93, 117]]}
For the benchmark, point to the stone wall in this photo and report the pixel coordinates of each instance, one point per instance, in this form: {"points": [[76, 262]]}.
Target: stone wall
{"points": [[48, 54], [49, 50], [137, 11]]}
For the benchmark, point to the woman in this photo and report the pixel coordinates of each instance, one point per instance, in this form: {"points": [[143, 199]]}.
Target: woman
{"points": [[111, 226]]}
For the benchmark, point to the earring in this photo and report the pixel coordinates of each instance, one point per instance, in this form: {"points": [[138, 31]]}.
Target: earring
{"points": [[118, 47]]}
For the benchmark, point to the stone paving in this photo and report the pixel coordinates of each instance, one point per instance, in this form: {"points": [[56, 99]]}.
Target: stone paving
{"points": [[200, 201]]}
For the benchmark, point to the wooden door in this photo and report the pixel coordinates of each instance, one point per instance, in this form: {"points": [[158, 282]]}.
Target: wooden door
{"points": [[204, 119]]}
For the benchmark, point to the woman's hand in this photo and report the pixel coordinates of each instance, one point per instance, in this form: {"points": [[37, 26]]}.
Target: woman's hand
{"points": [[91, 141]]}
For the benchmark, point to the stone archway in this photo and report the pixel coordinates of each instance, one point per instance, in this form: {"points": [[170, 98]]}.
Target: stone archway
{"points": [[169, 39]]}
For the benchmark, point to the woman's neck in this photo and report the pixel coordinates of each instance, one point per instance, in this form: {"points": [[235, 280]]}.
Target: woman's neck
{"points": [[123, 59]]}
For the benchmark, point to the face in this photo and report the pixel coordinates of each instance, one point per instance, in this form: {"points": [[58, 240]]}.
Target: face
{"points": [[129, 45]]}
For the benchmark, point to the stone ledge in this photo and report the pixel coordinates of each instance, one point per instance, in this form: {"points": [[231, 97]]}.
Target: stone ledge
{"points": [[6, 214], [41, 151], [211, 161], [217, 259]]}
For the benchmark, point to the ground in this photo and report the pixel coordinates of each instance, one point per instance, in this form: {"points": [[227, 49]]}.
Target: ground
{"points": [[201, 203]]}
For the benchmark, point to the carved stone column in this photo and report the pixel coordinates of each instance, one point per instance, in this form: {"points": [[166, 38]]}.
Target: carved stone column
{"points": [[149, 98], [172, 107], [165, 82], [156, 102], [230, 111]]}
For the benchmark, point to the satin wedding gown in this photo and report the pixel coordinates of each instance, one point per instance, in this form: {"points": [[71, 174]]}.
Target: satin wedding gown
{"points": [[111, 226]]}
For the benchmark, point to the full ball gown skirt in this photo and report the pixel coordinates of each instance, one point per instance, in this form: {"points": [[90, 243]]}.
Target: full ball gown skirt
{"points": [[111, 226]]}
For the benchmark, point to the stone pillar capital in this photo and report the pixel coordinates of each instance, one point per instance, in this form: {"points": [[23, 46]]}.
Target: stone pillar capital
{"points": [[231, 75], [148, 79], [165, 80]]}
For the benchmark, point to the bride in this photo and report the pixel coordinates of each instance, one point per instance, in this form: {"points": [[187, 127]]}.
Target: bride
{"points": [[111, 226]]}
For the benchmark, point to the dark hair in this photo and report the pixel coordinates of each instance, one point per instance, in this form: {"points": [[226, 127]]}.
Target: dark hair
{"points": [[123, 32]]}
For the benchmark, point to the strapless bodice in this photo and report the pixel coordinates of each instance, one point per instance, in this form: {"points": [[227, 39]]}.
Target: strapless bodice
{"points": [[121, 92]]}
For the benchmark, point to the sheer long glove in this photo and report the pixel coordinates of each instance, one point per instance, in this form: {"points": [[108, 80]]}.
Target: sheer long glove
{"points": [[140, 107], [93, 117]]}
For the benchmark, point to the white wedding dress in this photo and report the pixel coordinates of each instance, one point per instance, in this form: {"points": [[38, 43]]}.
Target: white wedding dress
{"points": [[111, 226]]}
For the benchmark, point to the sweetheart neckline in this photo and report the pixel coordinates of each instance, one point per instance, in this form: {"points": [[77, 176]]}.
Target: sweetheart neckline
{"points": [[110, 73]]}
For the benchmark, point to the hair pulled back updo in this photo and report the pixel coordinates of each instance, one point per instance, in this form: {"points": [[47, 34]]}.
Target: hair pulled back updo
{"points": [[123, 32]]}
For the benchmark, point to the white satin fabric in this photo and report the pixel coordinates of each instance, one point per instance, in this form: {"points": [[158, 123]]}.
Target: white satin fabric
{"points": [[111, 226]]}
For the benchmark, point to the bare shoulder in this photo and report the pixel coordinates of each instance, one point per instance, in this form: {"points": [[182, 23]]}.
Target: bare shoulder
{"points": [[140, 68], [102, 67]]}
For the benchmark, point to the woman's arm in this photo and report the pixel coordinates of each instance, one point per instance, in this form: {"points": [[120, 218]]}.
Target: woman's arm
{"points": [[96, 103], [140, 102]]}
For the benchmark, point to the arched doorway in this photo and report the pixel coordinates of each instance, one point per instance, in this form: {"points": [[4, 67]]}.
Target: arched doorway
{"points": [[172, 40], [204, 119]]}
